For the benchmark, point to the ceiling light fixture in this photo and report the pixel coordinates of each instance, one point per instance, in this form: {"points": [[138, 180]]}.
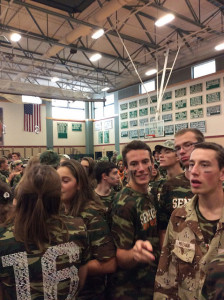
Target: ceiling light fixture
{"points": [[150, 72], [105, 89], [15, 37], [219, 47], [95, 57], [164, 20], [55, 79], [97, 34]]}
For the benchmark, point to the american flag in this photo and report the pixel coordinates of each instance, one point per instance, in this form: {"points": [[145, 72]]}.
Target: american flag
{"points": [[32, 117]]}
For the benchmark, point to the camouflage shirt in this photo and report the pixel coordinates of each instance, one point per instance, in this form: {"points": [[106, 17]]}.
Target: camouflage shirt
{"points": [[155, 188], [175, 193], [101, 248], [4, 178], [185, 255], [107, 201], [36, 275], [134, 218], [213, 288]]}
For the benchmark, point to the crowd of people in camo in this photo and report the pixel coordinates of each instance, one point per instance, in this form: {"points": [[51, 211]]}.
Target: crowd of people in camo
{"points": [[145, 225]]}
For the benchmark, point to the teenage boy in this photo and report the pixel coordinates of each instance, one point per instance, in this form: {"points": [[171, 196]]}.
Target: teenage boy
{"points": [[177, 190], [195, 232], [134, 228]]}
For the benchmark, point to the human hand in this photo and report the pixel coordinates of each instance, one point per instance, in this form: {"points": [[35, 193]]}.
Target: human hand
{"points": [[142, 252]]}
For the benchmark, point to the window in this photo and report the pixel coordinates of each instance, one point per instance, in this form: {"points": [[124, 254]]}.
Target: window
{"points": [[104, 109], [62, 109], [148, 86], [203, 69]]}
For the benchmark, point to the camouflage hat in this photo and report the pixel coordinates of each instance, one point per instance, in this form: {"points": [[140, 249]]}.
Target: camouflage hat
{"points": [[169, 144], [17, 162], [50, 157]]}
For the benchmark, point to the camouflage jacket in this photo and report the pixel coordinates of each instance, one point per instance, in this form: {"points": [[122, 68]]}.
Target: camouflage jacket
{"points": [[134, 218], [101, 248], [49, 275], [175, 192], [4, 178], [185, 255], [213, 288]]}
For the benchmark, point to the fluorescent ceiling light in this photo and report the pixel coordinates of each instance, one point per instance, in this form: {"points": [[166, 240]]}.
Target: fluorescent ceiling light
{"points": [[151, 72], [15, 37], [97, 34], [219, 47], [105, 89], [54, 79], [95, 57], [31, 99], [164, 20]]}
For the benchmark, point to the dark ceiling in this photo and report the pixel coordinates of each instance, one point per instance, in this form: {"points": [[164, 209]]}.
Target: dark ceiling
{"points": [[56, 40]]}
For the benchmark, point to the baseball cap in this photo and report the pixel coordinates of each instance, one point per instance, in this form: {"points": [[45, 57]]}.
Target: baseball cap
{"points": [[50, 158], [169, 144]]}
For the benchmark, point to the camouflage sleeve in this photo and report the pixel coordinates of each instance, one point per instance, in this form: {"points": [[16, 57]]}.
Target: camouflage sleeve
{"points": [[165, 207], [213, 288], [166, 278], [123, 225], [101, 241]]}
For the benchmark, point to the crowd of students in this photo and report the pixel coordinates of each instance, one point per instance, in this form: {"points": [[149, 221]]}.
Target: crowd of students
{"points": [[143, 228]]}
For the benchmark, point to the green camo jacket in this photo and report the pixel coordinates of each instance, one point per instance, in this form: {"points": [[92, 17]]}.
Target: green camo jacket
{"points": [[185, 256]]}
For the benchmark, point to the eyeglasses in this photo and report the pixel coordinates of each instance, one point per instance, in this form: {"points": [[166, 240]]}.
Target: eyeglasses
{"points": [[186, 146]]}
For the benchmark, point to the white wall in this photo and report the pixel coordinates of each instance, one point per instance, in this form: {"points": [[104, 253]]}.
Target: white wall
{"points": [[74, 138]]}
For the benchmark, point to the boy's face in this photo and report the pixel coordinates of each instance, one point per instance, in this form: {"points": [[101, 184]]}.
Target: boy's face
{"points": [[205, 175]]}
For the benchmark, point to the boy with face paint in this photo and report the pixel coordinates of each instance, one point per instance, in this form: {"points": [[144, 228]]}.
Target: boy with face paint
{"points": [[134, 228], [195, 234], [107, 177]]}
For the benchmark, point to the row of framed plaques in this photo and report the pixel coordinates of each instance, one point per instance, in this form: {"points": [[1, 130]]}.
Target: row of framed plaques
{"points": [[168, 129]]}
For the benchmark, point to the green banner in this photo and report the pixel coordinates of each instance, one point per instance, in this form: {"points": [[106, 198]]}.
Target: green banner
{"points": [[199, 125], [76, 127], [124, 125], [100, 137], [194, 101], [133, 114], [196, 88], [180, 116], [153, 99], [133, 104], [181, 104], [212, 84], [213, 110], [124, 106], [133, 134], [141, 133], [167, 106], [214, 97], [124, 133], [106, 137], [124, 116], [133, 123], [180, 92], [169, 130], [196, 113], [62, 130], [143, 112], [143, 102], [180, 126], [167, 118], [167, 95]]}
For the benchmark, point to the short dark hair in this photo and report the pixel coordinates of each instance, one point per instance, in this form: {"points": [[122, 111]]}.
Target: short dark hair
{"points": [[2, 160], [16, 153], [135, 145], [103, 167], [198, 134], [217, 148]]}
